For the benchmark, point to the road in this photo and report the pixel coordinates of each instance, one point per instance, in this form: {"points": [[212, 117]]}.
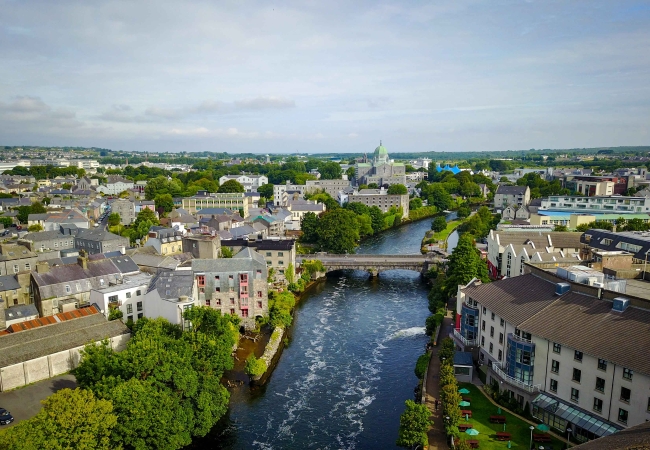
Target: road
{"points": [[24, 403]]}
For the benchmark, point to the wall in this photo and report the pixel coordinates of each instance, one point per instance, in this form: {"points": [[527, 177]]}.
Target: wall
{"points": [[49, 366]]}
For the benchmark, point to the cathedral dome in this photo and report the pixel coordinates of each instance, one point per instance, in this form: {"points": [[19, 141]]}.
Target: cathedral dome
{"points": [[381, 152]]}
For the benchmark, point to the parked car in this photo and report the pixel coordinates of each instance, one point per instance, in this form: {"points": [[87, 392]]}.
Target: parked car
{"points": [[5, 417]]}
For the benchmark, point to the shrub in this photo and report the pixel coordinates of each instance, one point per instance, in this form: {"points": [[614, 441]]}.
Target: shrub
{"points": [[421, 365], [255, 367]]}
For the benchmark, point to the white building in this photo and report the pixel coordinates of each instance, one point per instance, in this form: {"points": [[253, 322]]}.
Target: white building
{"points": [[608, 204], [115, 185], [250, 182], [569, 351], [169, 295], [126, 294]]}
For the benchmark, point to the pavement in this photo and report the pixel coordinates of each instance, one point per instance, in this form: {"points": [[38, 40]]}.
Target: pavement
{"points": [[24, 403], [437, 435]]}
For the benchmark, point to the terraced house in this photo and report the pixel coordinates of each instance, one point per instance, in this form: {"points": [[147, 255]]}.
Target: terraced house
{"points": [[574, 354]]}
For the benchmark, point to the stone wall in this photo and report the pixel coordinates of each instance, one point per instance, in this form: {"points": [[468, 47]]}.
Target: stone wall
{"points": [[49, 366]]}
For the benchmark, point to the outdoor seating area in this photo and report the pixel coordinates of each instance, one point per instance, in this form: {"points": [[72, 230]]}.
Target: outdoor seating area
{"points": [[498, 419], [488, 426]]}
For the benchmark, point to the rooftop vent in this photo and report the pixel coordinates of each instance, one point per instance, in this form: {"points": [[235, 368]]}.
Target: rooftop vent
{"points": [[620, 304], [562, 288]]}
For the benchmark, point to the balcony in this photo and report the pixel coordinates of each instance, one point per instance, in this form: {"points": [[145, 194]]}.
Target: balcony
{"points": [[496, 368], [464, 340], [519, 338]]}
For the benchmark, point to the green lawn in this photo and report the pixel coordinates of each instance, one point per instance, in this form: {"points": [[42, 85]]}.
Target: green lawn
{"points": [[447, 231], [482, 409]]}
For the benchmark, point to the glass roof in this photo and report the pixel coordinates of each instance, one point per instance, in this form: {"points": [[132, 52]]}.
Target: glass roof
{"points": [[575, 416]]}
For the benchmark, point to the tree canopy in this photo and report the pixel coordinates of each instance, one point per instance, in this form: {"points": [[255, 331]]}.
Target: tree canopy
{"points": [[397, 189], [231, 186], [413, 425]]}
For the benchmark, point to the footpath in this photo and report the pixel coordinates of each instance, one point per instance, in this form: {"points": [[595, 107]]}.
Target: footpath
{"points": [[436, 434]]}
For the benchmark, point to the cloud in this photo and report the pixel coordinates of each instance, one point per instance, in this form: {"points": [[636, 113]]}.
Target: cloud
{"points": [[264, 103], [27, 104], [29, 112]]}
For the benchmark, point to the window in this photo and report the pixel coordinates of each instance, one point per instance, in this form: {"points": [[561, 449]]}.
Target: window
{"points": [[15, 268], [602, 364], [200, 279], [600, 384], [555, 366], [207, 302], [483, 326], [500, 338], [268, 254], [280, 263], [557, 348], [216, 278], [484, 310], [67, 288], [128, 295], [553, 386], [218, 301], [101, 282], [575, 395], [140, 316], [129, 318], [625, 395], [491, 347], [502, 322], [232, 311], [280, 253], [139, 306], [577, 375], [129, 309], [27, 266], [230, 277], [232, 301], [500, 355], [491, 331], [217, 289], [138, 293], [492, 316], [112, 298], [259, 294], [482, 341], [627, 374], [622, 415], [648, 403], [577, 356], [598, 404]]}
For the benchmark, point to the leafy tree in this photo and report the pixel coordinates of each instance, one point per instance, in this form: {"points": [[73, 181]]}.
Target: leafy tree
{"points": [[373, 186], [289, 274], [114, 219], [161, 185], [23, 213], [439, 197], [465, 264], [463, 212], [69, 419], [35, 228], [377, 218], [266, 190], [123, 194], [338, 231], [560, 228], [598, 224], [350, 172], [309, 227], [636, 225], [231, 186], [364, 222], [164, 202], [421, 365], [66, 186], [413, 425], [38, 208], [6, 221], [226, 252], [397, 189], [329, 170], [415, 203], [255, 367], [439, 224]]}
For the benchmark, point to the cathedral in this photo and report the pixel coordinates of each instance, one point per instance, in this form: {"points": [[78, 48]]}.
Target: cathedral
{"points": [[381, 170]]}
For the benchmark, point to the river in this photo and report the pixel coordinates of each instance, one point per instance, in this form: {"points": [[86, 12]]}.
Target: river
{"points": [[342, 381]]}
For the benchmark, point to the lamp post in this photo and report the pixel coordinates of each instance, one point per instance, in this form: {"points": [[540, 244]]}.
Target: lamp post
{"points": [[645, 263], [568, 430], [531, 436]]}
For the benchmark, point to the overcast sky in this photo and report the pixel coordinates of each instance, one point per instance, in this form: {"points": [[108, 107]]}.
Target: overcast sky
{"points": [[324, 76]]}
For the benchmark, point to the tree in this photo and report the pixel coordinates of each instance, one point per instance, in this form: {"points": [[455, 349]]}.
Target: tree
{"points": [[397, 189], [338, 231], [114, 219], [350, 172], [439, 224], [439, 197], [38, 208], [329, 170], [69, 419], [560, 228], [231, 186], [377, 218], [226, 252], [254, 367], [373, 186], [35, 228], [23, 213], [66, 186], [266, 190], [164, 202], [162, 185], [463, 212], [309, 227], [123, 194], [365, 225], [415, 203], [6, 221], [465, 264], [413, 425]]}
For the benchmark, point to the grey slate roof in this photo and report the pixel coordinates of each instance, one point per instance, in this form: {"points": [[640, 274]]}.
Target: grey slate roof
{"points": [[43, 236], [511, 190], [97, 234], [16, 312], [241, 262], [515, 299], [244, 230], [45, 340], [172, 285], [8, 283]]}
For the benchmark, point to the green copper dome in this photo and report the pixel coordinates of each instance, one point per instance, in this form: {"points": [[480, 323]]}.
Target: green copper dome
{"points": [[381, 151]]}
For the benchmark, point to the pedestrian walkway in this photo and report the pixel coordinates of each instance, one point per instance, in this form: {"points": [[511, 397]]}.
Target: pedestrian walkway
{"points": [[436, 434]]}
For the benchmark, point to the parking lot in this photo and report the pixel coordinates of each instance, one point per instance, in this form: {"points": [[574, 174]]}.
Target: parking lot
{"points": [[24, 403]]}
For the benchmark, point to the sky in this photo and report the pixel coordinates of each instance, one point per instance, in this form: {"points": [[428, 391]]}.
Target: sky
{"points": [[324, 76]]}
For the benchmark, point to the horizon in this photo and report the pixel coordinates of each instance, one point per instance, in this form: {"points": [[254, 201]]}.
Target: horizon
{"points": [[459, 76]]}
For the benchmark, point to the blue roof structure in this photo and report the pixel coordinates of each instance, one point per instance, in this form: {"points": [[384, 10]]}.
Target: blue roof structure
{"points": [[463, 359], [447, 168]]}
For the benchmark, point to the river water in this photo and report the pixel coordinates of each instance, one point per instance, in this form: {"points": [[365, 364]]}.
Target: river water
{"points": [[342, 381]]}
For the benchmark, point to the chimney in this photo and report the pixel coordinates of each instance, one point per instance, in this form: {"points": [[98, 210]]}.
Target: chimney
{"points": [[82, 259], [42, 267]]}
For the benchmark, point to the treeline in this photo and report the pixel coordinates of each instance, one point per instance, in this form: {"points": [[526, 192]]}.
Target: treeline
{"points": [[441, 185], [46, 172], [158, 393]]}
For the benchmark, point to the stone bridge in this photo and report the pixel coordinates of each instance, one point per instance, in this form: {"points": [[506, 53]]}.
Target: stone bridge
{"points": [[374, 264]]}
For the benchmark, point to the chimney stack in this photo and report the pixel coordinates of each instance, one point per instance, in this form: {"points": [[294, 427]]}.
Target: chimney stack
{"points": [[42, 267], [82, 259]]}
